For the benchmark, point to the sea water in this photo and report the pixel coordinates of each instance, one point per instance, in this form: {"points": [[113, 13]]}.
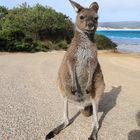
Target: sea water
{"points": [[127, 40]]}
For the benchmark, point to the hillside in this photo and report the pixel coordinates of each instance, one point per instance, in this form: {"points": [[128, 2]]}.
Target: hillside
{"points": [[122, 24]]}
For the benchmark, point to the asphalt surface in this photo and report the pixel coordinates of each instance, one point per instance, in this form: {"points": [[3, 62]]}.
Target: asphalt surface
{"points": [[31, 106]]}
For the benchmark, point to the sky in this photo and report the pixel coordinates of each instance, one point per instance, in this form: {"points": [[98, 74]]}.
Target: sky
{"points": [[110, 10]]}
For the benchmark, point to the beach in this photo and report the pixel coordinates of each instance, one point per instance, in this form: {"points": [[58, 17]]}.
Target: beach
{"points": [[127, 40], [31, 105]]}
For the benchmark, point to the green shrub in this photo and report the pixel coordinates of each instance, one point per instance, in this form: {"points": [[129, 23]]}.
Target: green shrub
{"points": [[104, 43], [18, 46], [28, 40], [38, 22], [39, 46], [21, 46], [12, 34], [3, 44], [38, 28], [49, 44], [62, 45]]}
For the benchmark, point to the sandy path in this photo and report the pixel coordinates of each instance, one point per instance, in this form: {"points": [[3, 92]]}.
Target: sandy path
{"points": [[30, 104]]}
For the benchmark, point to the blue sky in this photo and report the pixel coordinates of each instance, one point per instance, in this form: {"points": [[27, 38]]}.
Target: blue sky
{"points": [[110, 10]]}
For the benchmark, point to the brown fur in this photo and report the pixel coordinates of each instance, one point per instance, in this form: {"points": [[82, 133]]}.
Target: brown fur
{"points": [[80, 77], [65, 80]]}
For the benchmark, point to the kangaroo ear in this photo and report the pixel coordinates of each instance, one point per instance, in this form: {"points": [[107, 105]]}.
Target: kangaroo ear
{"points": [[77, 7], [94, 6]]}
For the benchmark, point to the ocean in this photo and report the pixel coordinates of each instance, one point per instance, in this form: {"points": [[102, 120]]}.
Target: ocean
{"points": [[127, 40]]}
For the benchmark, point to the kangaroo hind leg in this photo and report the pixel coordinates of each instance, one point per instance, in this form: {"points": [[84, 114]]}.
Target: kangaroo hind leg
{"points": [[65, 123], [95, 104]]}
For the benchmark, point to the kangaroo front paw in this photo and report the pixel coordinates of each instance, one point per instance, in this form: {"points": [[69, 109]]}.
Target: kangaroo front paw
{"points": [[73, 89], [88, 89]]}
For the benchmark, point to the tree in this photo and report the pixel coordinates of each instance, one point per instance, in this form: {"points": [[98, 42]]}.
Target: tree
{"points": [[3, 12], [38, 22], [37, 28]]}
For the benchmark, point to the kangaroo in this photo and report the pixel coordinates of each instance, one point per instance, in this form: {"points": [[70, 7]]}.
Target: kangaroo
{"points": [[80, 77]]}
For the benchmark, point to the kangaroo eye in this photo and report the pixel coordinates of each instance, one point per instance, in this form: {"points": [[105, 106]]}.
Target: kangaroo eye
{"points": [[82, 17], [96, 18]]}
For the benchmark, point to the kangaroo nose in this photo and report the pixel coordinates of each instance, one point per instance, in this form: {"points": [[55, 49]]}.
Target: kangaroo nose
{"points": [[79, 95], [90, 25]]}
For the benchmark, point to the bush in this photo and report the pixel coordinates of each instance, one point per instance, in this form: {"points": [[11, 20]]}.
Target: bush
{"points": [[39, 46], [3, 44], [62, 45], [16, 41], [38, 22], [21, 46], [38, 28], [49, 44], [12, 34], [104, 43]]}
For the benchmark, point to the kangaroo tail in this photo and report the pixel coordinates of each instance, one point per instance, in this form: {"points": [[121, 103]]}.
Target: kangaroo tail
{"points": [[55, 131]]}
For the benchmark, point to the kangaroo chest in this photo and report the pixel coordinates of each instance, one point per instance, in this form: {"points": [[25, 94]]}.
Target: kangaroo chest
{"points": [[83, 54]]}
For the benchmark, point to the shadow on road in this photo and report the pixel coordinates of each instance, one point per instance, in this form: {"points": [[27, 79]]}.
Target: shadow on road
{"points": [[108, 102], [135, 134]]}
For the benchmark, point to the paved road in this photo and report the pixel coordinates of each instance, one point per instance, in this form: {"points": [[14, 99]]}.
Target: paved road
{"points": [[30, 103]]}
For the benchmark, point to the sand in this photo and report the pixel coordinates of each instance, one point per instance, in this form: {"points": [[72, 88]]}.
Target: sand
{"points": [[30, 103]]}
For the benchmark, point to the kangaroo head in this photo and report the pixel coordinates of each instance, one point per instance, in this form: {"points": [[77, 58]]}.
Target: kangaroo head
{"points": [[87, 18]]}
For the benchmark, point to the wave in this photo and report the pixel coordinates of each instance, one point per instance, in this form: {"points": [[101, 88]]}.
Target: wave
{"points": [[126, 41], [129, 48], [119, 37], [121, 34]]}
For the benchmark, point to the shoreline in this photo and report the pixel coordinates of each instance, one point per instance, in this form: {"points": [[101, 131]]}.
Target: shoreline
{"points": [[115, 29], [127, 39], [129, 48], [113, 52]]}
